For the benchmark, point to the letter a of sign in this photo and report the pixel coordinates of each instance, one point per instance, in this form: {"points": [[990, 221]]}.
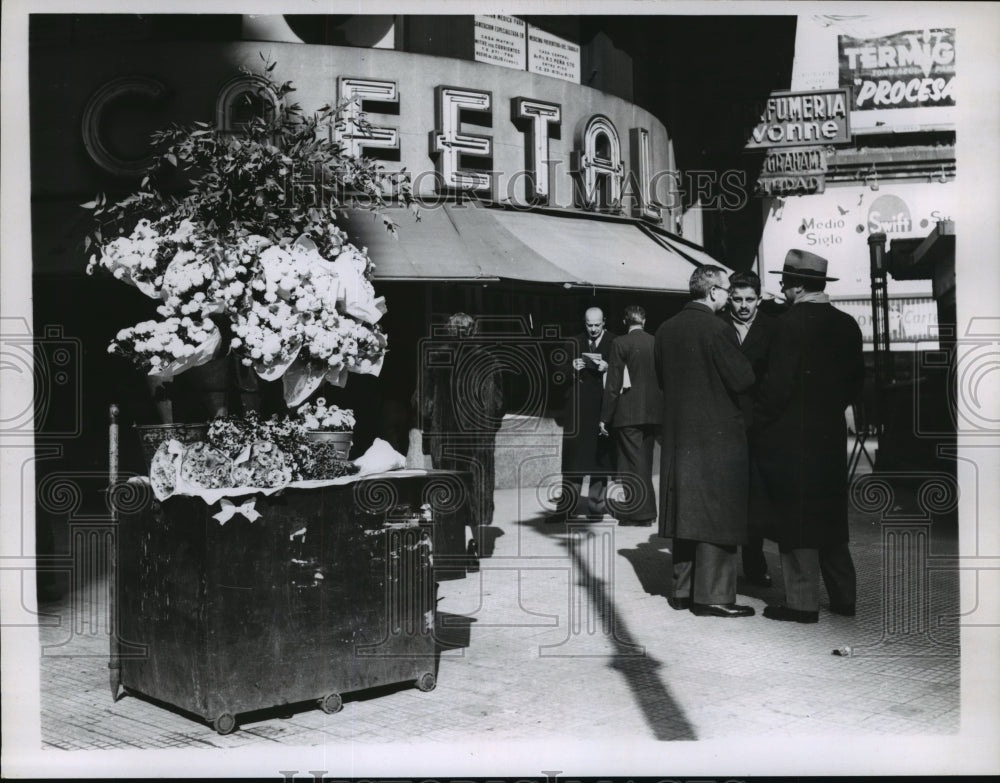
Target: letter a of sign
{"points": [[355, 138], [595, 162], [447, 144], [541, 114]]}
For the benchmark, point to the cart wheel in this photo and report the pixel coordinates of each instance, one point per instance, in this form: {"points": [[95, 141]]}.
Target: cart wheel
{"points": [[426, 682], [225, 723], [331, 703]]}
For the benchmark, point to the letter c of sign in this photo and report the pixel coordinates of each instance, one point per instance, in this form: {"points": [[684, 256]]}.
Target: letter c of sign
{"points": [[93, 114]]}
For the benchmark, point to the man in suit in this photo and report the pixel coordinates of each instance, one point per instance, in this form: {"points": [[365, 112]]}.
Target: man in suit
{"points": [[753, 330], [704, 471], [635, 411], [815, 371], [585, 451]]}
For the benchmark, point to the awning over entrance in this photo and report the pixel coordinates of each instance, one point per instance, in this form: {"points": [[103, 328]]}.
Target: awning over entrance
{"points": [[474, 243]]}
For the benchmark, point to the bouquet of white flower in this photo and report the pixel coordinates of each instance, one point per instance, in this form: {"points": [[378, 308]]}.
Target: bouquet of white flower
{"points": [[249, 248]]}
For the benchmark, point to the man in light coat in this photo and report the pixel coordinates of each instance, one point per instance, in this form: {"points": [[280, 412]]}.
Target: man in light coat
{"points": [[815, 370], [634, 411], [703, 467]]}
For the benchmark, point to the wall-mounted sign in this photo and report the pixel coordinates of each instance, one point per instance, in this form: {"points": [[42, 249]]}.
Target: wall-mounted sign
{"points": [[789, 119], [500, 40], [550, 55], [836, 224], [901, 71], [911, 319], [791, 185]]}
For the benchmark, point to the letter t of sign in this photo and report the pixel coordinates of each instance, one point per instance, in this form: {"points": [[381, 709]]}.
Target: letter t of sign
{"points": [[542, 115], [447, 143]]}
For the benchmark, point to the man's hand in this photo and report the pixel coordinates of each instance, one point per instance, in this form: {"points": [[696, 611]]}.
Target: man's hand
{"points": [[602, 366], [602, 428], [579, 364]]}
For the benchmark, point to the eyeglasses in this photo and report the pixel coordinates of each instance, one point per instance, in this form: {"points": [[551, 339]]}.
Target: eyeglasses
{"points": [[723, 288], [787, 284]]}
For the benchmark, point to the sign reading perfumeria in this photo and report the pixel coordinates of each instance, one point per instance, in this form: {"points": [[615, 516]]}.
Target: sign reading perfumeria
{"points": [[787, 119], [906, 70]]}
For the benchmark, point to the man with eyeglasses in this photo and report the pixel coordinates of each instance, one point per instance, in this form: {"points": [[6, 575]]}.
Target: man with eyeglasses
{"points": [[703, 466], [815, 370]]}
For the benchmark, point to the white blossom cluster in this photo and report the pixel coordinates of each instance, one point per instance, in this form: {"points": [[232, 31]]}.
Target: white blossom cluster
{"points": [[141, 258], [320, 417], [164, 345]]}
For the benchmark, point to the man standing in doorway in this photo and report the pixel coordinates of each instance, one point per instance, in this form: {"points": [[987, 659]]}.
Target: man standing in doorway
{"points": [[585, 451], [633, 406], [703, 467], [815, 371], [753, 330]]}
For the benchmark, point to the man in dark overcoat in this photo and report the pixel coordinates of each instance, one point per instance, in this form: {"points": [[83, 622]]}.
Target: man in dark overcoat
{"points": [[703, 466], [634, 410], [585, 452], [753, 330], [815, 370]]}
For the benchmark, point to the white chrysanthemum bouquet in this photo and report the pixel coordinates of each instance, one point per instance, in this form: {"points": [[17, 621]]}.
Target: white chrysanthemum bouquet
{"points": [[250, 259]]}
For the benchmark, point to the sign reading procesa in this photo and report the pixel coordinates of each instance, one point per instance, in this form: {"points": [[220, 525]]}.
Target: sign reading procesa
{"points": [[901, 71]]}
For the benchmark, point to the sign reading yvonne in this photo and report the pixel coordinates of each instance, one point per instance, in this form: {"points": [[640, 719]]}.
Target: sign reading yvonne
{"points": [[500, 40], [787, 119], [906, 70]]}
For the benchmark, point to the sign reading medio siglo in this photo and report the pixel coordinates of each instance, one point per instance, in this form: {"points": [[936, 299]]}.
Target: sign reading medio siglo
{"points": [[818, 117]]}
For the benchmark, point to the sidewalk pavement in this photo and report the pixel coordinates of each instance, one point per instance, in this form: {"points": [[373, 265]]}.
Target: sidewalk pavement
{"points": [[565, 632]]}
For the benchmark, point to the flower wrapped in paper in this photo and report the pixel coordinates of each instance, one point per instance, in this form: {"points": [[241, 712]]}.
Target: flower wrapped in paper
{"points": [[167, 348], [358, 293]]}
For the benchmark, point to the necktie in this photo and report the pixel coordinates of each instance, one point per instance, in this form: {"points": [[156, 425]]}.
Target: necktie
{"points": [[593, 346]]}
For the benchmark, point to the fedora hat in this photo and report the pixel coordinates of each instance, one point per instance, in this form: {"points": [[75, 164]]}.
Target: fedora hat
{"points": [[802, 263]]}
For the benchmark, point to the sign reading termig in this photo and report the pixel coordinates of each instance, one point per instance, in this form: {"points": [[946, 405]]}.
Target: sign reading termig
{"points": [[799, 118]]}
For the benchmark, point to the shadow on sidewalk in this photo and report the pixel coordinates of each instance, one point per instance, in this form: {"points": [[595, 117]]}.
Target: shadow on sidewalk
{"points": [[642, 671]]}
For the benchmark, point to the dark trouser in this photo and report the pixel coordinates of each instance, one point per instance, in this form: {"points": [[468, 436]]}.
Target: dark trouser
{"points": [[635, 469], [752, 553], [704, 572], [802, 569], [572, 487]]}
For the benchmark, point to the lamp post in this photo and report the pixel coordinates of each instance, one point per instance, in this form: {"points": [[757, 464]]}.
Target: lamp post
{"points": [[884, 370]]}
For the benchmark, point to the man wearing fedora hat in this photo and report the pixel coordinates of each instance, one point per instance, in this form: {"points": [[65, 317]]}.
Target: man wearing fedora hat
{"points": [[815, 370]]}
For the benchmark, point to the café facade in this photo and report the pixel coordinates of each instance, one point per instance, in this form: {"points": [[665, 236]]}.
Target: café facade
{"points": [[542, 187]]}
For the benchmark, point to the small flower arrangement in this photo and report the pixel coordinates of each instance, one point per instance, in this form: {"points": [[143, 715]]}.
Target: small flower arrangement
{"points": [[331, 418], [167, 348]]}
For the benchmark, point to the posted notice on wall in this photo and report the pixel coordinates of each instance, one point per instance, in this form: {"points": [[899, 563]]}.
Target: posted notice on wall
{"points": [[550, 55], [500, 40]]}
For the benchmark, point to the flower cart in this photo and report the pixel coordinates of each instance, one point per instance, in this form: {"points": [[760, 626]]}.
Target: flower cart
{"points": [[227, 604], [257, 565]]}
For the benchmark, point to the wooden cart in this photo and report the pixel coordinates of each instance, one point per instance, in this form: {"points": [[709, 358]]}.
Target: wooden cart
{"points": [[330, 590]]}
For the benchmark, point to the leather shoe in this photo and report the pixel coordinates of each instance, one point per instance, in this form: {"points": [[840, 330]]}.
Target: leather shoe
{"points": [[790, 615], [721, 610], [681, 602], [760, 580], [847, 610]]}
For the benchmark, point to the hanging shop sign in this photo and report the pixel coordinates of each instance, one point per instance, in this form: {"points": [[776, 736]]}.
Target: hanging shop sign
{"points": [[550, 55], [789, 172], [910, 69], [790, 119], [500, 40]]}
